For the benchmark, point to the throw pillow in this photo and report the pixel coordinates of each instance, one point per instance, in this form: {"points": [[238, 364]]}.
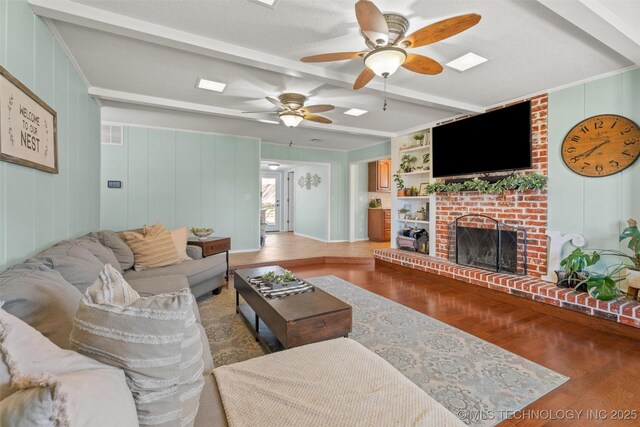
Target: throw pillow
{"points": [[180, 236], [155, 340], [45, 385], [113, 241], [153, 248], [41, 298]]}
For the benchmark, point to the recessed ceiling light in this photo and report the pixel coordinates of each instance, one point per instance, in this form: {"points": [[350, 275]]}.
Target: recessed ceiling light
{"points": [[210, 85], [274, 166], [267, 2], [466, 61], [271, 122], [355, 112]]}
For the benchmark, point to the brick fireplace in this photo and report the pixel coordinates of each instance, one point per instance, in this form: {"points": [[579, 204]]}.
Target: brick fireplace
{"points": [[522, 209]]}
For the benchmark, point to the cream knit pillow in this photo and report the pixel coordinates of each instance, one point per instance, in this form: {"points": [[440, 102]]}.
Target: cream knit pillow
{"points": [[155, 340], [180, 237], [153, 248]]}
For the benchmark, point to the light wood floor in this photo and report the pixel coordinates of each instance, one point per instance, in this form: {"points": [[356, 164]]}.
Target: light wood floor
{"points": [[288, 246]]}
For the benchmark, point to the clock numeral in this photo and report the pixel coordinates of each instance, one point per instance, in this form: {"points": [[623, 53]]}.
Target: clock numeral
{"points": [[626, 153], [586, 165], [599, 168], [584, 129], [626, 130], [575, 159], [614, 124], [571, 149], [630, 141], [575, 138], [598, 124], [614, 164]]}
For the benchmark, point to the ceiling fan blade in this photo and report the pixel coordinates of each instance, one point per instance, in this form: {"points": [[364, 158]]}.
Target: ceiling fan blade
{"points": [[440, 30], [318, 119], [422, 64], [372, 22], [365, 77], [317, 108], [261, 112], [329, 57], [275, 102]]}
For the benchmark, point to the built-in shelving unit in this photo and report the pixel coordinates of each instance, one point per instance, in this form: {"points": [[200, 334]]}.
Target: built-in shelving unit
{"points": [[413, 178]]}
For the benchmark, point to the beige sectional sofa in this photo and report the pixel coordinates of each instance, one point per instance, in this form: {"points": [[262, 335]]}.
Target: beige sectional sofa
{"points": [[337, 382]]}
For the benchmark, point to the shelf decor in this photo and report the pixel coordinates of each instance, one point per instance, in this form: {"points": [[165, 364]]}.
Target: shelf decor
{"points": [[514, 182], [28, 127]]}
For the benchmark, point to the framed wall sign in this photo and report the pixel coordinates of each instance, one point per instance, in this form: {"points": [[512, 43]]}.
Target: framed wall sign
{"points": [[28, 127]]}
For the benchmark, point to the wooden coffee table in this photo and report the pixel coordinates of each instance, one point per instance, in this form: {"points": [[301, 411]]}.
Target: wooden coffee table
{"points": [[293, 320]]}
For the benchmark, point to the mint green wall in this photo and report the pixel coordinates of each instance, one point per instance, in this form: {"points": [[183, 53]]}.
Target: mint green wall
{"points": [[377, 151], [183, 179], [38, 209], [309, 208], [338, 161], [595, 207]]}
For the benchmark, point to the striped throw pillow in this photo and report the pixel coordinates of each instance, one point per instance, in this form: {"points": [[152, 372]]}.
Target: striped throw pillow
{"points": [[152, 248], [155, 340]]}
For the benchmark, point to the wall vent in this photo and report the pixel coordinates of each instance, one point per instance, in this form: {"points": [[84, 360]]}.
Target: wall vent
{"points": [[111, 134]]}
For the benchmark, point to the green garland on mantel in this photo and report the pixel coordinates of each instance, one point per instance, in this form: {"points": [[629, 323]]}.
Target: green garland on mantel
{"points": [[514, 182]]}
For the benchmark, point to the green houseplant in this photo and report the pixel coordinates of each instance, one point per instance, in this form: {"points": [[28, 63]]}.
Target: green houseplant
{"points": [[402, 213], [575, 273], [419, 137], [373, 203], [399, 184], [406, 163]]}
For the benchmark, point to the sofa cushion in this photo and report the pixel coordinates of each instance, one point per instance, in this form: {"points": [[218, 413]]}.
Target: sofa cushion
{"points": [[179, 237], [50, 386], [104, 254], [76, 264], [211, 412], [151, 249], [113, 241], [148, 286], [196, 271], [155, 340], [41, 298]]}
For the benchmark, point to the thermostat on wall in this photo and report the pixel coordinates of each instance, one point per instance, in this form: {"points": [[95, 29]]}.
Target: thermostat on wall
{"points": [[114, 184]]}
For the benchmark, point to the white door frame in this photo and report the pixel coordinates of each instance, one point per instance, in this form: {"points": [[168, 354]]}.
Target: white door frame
{"points": [[278, 207]]}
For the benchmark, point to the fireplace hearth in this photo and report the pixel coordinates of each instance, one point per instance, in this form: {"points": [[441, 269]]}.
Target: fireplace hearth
{"points": [[483, 242]]}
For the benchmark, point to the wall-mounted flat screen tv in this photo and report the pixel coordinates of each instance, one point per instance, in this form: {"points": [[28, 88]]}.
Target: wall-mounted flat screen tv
{"points": [[499, 140]]}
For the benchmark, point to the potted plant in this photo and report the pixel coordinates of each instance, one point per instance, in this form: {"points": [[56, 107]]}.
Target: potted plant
{"points": [[373, 204], [575, 271], [402, 213], [421, 214], [419, 137], [406, 164], [414, 191], [631, 262], [399, 184], [425, 160]]}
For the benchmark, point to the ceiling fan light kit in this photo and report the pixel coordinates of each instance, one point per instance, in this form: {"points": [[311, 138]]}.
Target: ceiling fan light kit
{"points": [[385, 61], [291, 118]]}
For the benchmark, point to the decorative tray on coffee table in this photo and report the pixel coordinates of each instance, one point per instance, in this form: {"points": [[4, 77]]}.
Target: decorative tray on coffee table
{"points": [[275, 286]]}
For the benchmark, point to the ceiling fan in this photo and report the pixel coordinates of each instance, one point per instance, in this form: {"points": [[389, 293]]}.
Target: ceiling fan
{"points": [[292, 110], [385, 35]]}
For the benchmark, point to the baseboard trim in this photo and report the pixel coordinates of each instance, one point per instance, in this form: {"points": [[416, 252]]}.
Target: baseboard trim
{"points": [[311, 237]]}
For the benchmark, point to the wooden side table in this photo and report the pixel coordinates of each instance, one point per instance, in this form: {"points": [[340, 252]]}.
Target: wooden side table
{"points": [[213, 246]]}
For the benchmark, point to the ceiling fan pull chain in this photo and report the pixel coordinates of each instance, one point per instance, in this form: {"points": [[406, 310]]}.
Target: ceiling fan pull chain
{"points": [[384, 106]]}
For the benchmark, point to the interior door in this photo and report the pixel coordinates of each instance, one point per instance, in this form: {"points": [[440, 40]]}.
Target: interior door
{"points": [[271, 184]]}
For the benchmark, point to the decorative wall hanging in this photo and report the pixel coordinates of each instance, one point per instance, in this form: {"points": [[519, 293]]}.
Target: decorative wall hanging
{"points": [[28, 127], [308, 181]]}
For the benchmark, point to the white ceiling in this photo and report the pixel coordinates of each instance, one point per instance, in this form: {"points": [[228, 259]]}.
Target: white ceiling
{"points": [[148, 54]]}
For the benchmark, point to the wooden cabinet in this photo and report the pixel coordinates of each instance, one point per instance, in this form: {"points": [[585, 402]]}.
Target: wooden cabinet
{"points": [[380, 176], [380, 225]]}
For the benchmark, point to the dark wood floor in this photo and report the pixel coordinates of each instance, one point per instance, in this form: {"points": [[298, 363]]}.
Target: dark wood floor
{"points": [[604, 369]]}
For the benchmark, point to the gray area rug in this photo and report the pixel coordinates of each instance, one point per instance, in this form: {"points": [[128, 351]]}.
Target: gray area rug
{"points": [[476, 380]]}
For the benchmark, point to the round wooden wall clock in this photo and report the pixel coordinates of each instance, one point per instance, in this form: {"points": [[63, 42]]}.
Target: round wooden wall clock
{"points": [[601, 145]]}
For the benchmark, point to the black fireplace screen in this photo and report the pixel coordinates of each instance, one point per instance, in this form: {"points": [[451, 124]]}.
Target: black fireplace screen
{"points": [[483, 242]]}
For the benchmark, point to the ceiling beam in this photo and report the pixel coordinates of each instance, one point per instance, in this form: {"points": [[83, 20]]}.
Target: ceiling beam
{"points": [[94, 18], [154, 101], [595, 19]]}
